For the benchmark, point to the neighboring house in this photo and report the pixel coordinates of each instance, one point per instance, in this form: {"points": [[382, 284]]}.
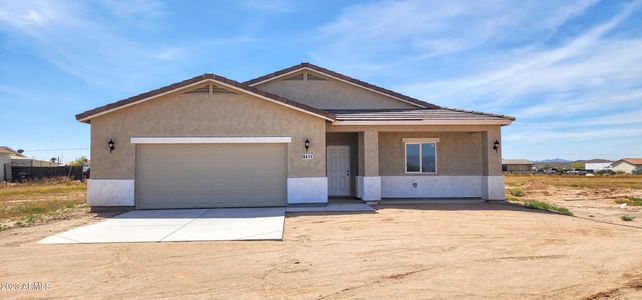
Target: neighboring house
{"points": [[517, 165], [6, 156], [627, 165], [299, 135], [600, 166]]}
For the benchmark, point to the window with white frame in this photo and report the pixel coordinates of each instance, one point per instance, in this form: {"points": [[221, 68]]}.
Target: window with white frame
{"points": [[421, 155]]}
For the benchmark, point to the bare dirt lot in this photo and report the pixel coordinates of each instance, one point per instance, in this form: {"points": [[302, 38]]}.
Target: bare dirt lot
{"points": [[428, 251], [602, 198]]}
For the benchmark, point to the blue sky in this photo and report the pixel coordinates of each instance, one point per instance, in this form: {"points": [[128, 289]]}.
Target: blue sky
{"points": [[570, 71]]}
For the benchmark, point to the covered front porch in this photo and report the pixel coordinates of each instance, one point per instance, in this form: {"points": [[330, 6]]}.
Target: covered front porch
{"points": [[411, 162]]}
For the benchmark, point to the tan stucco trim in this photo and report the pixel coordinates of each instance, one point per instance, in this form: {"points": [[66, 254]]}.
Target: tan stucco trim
{"points": [[420, 140], [427, 122], [207, 80], [335, 78]]}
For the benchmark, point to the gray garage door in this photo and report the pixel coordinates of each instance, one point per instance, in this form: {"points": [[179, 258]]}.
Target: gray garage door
{"points": [[210, 175]]}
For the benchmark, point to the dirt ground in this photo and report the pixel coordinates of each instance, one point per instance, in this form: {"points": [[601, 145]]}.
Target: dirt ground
{"points": [[422, 251], [587, 202]]}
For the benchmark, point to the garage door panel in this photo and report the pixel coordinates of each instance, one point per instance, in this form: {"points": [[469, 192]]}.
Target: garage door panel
{"points": [[211, 175]]}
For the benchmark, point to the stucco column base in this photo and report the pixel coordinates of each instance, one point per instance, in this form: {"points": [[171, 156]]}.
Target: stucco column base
{"points": [[110, 192], [369, 188], [493, 188]]}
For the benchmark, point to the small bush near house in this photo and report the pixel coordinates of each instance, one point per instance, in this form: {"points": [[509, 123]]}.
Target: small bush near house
{"points": [[536, 204], [627, 218], [517, 192]]}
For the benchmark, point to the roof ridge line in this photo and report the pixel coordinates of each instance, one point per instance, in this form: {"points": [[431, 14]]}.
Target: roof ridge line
{"points": [[338, 75]]}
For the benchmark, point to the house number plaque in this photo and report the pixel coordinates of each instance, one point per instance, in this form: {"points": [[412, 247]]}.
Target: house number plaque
{"points": [[306, 156]]}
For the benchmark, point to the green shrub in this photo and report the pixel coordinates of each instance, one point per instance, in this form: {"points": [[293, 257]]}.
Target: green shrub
{"points": [[627, 218], [536, 204], [517, 192], [510, 197]]}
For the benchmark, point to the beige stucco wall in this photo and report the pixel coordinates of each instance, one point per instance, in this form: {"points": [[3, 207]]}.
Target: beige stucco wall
{"points": [[623, 166], [331, 94], [458, 153], [462, 150], [204, 115]]}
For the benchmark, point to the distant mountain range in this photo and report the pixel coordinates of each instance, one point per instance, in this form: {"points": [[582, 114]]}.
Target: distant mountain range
{"points": [[555, 160]]}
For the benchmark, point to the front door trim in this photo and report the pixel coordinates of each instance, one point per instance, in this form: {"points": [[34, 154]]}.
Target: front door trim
{"points": [[343, 175]]}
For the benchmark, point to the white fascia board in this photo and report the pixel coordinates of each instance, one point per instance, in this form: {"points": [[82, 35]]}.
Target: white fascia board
{"points": [[212, 140], [339, 79], [427, 122]]}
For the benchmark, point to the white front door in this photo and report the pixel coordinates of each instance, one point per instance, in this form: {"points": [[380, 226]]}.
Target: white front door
{"points": [[338, 165]]}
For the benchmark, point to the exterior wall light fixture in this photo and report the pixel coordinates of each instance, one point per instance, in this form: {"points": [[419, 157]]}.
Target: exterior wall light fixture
{"points": [[111, 145]]}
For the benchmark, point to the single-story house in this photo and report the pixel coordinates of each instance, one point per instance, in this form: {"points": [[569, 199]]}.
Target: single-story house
{"points": [[597, 166], [298, 135], [627, 165], [6, 155], [517, 165]]}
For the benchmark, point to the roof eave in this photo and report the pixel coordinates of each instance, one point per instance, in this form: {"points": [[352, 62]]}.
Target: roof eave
{"points": [[86, 116], [422, 122]]}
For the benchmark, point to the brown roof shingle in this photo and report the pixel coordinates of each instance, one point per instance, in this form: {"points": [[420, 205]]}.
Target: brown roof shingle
{"points": [[413, 115], [184, 83], [635, 161]]}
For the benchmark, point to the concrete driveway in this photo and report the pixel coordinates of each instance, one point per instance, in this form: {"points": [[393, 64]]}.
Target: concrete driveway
{"points": [[180, 225]]}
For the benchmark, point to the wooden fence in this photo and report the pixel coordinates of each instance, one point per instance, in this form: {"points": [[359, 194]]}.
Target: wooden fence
{"points": [[30, 173]]}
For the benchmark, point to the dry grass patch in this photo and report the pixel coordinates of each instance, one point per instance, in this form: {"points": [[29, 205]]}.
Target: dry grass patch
{"points": [[632, 201], [615, 181], [24, 204]]}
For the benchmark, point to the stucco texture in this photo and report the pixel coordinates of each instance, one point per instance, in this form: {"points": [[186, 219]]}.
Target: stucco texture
{"points": [[463, 149], [331, 94], [204, 115], [458, 153], [623, 166]]}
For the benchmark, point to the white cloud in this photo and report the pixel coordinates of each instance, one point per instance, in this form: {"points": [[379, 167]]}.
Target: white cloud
{"points": [[402, 31], [67, 35]]}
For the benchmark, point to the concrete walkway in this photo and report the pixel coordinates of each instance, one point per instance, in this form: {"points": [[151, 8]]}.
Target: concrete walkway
{"points": [[180, 225]]}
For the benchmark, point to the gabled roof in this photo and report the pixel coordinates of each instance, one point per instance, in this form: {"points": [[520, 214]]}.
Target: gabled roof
{"points": [[633, 161], [427, 116], [8, 150], [195, 81], [516, 162], [341, 77]]}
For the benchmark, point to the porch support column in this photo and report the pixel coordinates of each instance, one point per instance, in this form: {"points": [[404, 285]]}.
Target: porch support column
{"points": [[369, 184], [492, 179]]}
